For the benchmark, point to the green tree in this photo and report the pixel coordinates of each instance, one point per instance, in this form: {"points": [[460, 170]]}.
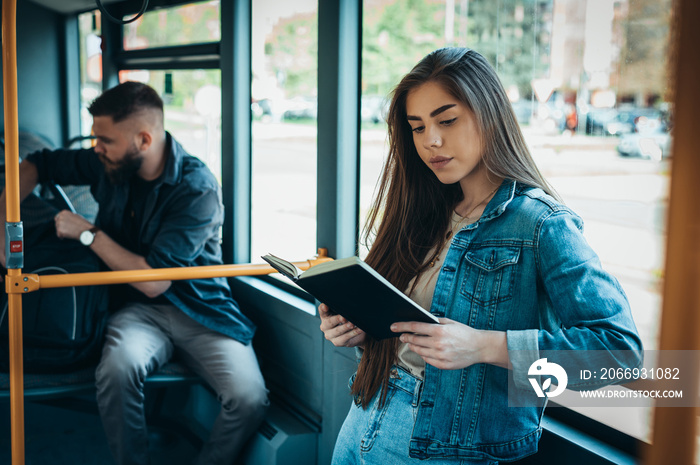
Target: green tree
{"points": [[292, 50], [514, 36], [188, 24], [394, 37]]}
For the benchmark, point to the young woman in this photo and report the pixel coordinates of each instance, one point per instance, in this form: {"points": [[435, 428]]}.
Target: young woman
{"points": [[466, 224]]}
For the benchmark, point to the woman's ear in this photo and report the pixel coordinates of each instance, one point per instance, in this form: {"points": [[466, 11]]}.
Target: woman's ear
{"points": [[144, 140]]}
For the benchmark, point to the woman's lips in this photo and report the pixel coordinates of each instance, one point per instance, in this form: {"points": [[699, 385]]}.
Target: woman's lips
{"points": [[439, 162]]}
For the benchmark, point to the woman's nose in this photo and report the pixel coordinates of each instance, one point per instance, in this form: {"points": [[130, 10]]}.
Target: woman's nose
{"points": [[432, 140]]}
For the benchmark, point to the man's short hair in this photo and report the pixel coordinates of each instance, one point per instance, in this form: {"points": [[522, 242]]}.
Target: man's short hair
{"points": [[125, 100]]}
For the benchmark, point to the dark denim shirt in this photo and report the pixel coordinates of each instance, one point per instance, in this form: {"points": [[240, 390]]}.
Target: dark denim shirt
{"points": [[183, 215], [525, 268]]}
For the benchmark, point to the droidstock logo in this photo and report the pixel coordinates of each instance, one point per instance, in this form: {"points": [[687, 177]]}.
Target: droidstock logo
{"points": [[544, 368]]}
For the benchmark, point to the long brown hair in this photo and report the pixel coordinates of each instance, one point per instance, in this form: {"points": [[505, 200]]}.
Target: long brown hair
{"points": [[412, 208]]}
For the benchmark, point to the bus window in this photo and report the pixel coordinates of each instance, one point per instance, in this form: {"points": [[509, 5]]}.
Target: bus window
{"points": [[192, 100], [588, 84], [192, 97], [284, 48], [187, 24], [90, 65]]}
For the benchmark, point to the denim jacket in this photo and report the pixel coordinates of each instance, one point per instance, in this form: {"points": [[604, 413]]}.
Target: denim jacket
{"points": [[525, 268]]}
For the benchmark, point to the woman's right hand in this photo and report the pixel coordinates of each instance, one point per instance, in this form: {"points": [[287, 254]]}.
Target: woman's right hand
{"points": [[338, 330]]}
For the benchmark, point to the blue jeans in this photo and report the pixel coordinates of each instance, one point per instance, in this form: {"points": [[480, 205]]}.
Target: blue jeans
{"points": [[140, 338], [380, 436]]}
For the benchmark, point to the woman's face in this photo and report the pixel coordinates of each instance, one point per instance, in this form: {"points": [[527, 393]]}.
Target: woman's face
{"points": [[445, 133]]}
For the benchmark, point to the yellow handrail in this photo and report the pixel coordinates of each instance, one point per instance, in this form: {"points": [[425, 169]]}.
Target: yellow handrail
{"points": [[24, 283], [14, 301]]}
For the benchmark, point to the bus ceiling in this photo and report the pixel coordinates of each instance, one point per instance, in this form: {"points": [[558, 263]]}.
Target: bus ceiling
{"points": [[71, 6], [76, 6]]}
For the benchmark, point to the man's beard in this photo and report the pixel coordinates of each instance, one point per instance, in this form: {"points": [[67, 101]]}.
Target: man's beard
{"points": [[123, 170]]}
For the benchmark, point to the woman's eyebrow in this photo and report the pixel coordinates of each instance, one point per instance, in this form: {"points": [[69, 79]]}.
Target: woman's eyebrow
{"points": [[441, 109], [432, 113]]}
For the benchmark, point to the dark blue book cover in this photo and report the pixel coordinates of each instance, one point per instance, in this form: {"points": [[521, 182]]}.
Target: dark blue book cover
{"points": [[352, 288]]}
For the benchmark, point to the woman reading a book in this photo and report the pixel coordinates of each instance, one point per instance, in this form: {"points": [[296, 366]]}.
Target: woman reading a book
{"points": [[467, 225]]}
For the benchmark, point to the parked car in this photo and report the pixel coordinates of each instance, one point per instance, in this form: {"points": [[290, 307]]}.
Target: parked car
{"points": [[300, 108], [261, 109], [373, 108], [596, 120], [524, 110], [655, 145], [634, 119]]}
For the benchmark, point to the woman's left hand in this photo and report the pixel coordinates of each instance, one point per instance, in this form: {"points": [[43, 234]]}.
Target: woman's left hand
{"points": [[452, 345]]}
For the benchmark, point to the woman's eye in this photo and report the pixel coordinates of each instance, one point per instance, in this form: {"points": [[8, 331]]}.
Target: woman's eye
{"points": [[448, 122], [418, 129]]}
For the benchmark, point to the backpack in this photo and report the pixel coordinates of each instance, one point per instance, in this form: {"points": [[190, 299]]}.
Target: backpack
{"points": [[63, 328]]}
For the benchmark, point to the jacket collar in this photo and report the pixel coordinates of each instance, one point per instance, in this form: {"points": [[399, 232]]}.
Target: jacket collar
{"points": [[172, 173], [498, 203]]}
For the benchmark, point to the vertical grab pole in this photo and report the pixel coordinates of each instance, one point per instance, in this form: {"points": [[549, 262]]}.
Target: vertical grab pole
{"points": [[675, 429], [14, 300]]}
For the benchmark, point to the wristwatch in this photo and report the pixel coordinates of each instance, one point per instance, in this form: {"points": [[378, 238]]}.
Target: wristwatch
{"points": [[88, 236]]}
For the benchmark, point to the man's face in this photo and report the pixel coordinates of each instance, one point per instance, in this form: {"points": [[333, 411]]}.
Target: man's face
{"points": [[117, 151], [123, 170]]}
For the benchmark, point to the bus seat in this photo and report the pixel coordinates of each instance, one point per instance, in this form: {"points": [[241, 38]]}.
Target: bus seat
{"points": [[76, 391], [282, 439], [53, 385]]}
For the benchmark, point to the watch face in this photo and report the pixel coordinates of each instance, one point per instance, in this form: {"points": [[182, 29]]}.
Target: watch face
{"points": [[86, 237]]}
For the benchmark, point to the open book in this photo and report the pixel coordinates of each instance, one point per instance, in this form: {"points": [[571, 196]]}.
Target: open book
{"points": [[352, 288]]}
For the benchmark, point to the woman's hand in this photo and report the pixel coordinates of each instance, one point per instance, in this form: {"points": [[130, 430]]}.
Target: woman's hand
{"points": [[451, 345], [338, 330]]}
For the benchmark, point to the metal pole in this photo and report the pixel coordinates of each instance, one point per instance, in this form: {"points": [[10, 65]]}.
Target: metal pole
{"points": [[14, 301], [675, 429], [30, 282]]}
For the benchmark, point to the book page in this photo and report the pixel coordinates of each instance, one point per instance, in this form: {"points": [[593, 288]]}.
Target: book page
{"points": [[288, 269]]}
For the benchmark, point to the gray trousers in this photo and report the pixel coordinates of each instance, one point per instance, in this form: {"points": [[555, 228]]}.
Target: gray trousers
{"points": [[141, 338]]}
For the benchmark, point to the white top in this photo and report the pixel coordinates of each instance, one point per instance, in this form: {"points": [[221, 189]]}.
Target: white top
{"points": [[423, 296]]}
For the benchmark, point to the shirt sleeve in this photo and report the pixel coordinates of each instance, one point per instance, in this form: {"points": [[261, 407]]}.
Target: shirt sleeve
{"points": [[67, 167], [590, 322], [189, 225]]}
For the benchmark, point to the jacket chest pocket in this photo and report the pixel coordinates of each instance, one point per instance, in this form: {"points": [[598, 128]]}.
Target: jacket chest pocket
{"points": [[490, 273]]}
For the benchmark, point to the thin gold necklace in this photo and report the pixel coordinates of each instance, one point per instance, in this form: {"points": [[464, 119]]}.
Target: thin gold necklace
{"points": [[456, 227]]}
